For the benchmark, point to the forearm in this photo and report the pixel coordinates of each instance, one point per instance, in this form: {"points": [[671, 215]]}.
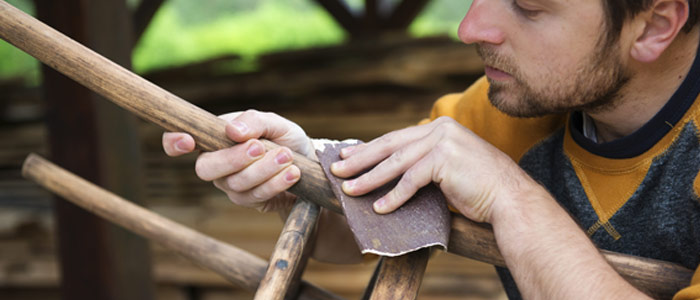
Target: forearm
{"points": [[549, 256]]}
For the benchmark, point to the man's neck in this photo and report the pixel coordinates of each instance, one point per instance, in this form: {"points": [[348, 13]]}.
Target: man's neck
{"points": [[651, 86]]}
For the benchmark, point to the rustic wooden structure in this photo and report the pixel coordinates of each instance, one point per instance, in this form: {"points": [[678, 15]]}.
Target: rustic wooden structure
{"points": [[659, 279], [95, 139]]}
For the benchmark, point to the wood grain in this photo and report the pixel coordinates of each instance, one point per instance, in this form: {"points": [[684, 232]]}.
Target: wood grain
{"points": [[236, 265], [286, 259], [172, 113], [400, 277]]}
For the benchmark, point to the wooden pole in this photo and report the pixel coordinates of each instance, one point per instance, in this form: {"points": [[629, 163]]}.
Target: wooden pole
{"points": [[138, 95], [152, 103], [400, 277], [286, 259], [239, 267]]}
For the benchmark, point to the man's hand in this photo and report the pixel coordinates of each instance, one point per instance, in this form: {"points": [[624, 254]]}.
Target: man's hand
{"points": [[248, 174], [471, 173]]}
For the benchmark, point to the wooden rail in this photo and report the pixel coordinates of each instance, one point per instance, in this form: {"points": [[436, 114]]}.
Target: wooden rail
{"points": [[656, 278], [291, 253], [238, 266]]}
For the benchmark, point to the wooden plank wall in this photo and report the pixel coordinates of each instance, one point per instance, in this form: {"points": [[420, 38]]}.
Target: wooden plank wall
{"points": [[360, 90]]}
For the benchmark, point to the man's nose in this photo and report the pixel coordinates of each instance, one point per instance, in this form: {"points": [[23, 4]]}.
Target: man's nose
{"points": [[483, 23]]}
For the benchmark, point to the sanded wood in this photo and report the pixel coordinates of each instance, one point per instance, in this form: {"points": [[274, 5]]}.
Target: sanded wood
{"points": [[400, 277], [152, 103], [238, 266], [287, 256]]}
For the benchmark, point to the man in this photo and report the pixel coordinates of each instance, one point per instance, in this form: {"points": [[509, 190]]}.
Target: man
{"points": [[588, 118]]}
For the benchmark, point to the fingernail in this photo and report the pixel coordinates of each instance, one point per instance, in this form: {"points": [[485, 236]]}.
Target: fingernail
{"points": [[291, 176], [348, 185], [240, 126], [180, 146], [282, 158], [255, 150], [337, 166], [347, 150], [379, 204]]}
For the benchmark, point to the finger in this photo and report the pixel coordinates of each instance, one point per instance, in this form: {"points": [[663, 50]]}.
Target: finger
{"points": [[221, 163], [418, 176], [390, 168], [177, 143], [360, 158], [253, 124], [260, 171], [261, 195], [257, 196]]}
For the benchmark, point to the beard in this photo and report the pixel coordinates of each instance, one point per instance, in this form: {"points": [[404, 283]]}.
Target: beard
{"points": [[593, 87]]}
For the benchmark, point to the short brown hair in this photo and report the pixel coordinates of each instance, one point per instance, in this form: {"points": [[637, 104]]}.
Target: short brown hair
{"points": [[619, 11]]}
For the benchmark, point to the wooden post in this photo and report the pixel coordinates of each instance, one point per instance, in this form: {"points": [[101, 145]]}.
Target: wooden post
{"points": [[98, 140], [287, 258], [467, 238], [399, 277], [241, 268]]}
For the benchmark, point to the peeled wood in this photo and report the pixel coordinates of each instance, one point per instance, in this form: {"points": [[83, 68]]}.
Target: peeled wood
{"points": [[238, 266], [287, 258], [469, 239]]}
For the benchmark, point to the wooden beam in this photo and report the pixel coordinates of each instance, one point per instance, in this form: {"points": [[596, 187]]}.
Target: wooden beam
{"points": [[399, 277], [341, 13], [143, 15], [288, 257], [405, 13], [98, 260]]}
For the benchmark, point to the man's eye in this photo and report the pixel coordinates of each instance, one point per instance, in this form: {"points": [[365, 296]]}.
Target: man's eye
{"points": [[530, 13]]}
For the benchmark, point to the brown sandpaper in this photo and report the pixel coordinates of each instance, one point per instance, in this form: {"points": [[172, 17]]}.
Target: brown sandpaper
{"points": [[423, 221]]}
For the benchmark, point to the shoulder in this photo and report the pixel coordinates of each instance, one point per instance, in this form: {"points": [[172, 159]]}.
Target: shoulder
{"points": [[512, 135]]}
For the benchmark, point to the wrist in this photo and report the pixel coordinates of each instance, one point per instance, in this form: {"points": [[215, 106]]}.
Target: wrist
{"points": [[518, 198]]}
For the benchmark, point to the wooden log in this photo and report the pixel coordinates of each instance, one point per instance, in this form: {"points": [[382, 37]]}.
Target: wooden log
{"points": [[400, 277], [152, 103], [286, 259], [236, 265]]}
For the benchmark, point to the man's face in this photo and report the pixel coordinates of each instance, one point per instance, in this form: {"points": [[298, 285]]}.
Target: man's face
{"points": [[545, 56]]}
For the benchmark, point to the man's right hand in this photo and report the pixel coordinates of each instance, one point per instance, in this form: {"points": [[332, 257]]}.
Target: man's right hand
{"points": [[248, 174]]}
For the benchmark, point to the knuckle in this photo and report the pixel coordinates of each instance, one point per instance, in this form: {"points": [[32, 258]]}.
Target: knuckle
{"points": [[448, 124], [397, 157], [258, 195], [234, 184], [249, 114], [443, 119], [408, 180]]}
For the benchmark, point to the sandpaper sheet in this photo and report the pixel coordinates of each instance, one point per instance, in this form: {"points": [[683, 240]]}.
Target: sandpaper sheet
{"points": [[423, 221]]}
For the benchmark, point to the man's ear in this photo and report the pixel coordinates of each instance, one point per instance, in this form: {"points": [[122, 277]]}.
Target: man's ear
{"points": [[660, 26]]}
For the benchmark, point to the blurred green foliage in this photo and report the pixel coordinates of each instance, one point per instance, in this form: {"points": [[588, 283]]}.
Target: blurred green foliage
{"points": [[440, 17], [186, 31], [15, 63]]}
